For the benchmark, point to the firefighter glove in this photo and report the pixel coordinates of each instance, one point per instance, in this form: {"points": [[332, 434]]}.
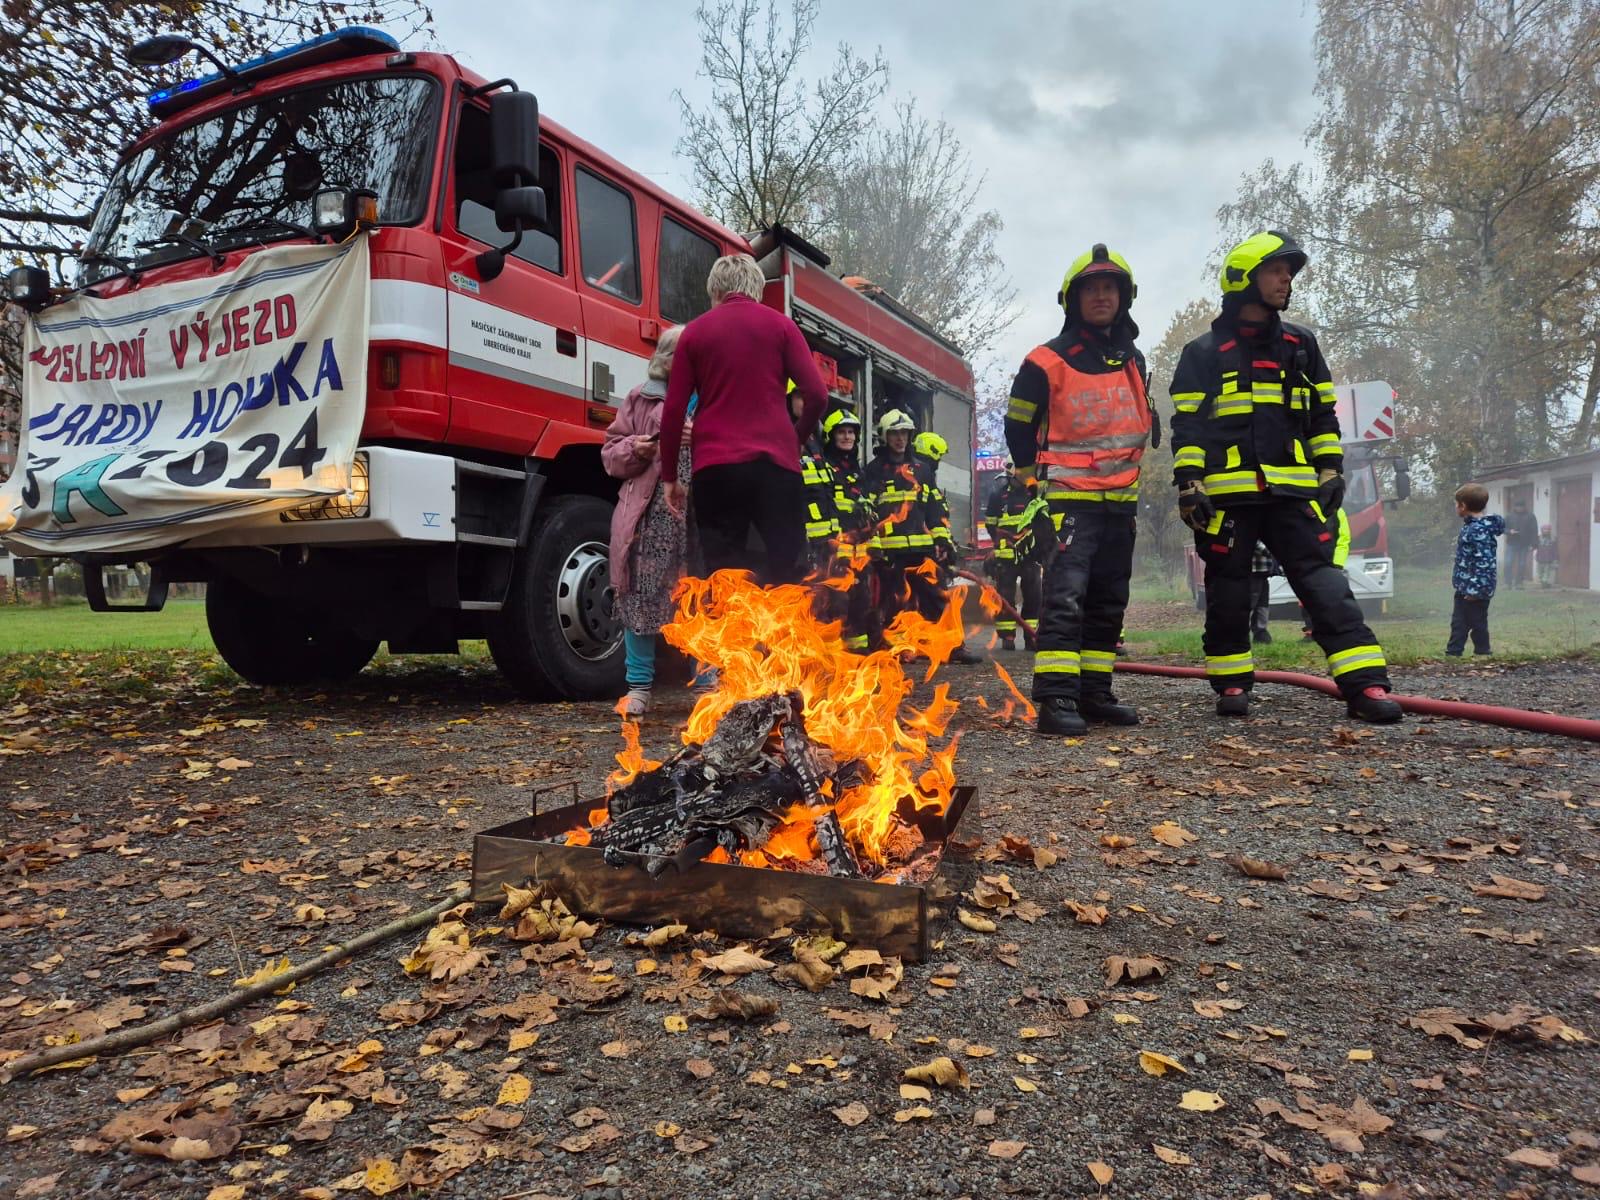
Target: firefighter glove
{"points": [[1195, 507], [1330, 491]]}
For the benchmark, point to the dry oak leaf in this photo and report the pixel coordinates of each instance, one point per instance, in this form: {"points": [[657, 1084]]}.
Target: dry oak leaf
{"points": [[821, 944], [1087, 914], [941, 1072], [1197, 1101], [444, 953], [994, 891], [1121, 969], [1532, 1156], [1257, 868], [1173, 1158], [1508, 888], [268, 971], [738, 1006], [914, 1091], [515, 1090], [382, 1176], [597, 1135], [736, 962], [879, 980], [1159, 1064], [518, 900], [551, 921], [920, 1112], [661, 935], [974, 922], [1005, 1149], [1101, 1172], [851, 1114], [1170, 833], [808, 969]]}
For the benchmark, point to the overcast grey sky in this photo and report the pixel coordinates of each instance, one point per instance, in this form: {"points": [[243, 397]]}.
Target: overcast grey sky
{"points": [[1125, 122]]}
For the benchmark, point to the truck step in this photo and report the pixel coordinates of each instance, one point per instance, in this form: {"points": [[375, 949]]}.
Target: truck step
{"points": [[487, 472], [485, 539], [480, 606]]}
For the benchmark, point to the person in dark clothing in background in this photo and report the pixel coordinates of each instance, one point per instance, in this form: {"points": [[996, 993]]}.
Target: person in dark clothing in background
{"points": [[1473, 578], [739, 358], [1262, 568], [1522, 538]]}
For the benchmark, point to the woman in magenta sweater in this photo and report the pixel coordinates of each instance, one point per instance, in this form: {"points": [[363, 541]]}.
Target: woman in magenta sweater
{"points": [[739, 358]]}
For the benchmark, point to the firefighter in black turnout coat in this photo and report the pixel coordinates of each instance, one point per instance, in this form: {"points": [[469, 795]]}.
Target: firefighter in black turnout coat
{"points": [[1256, 457]]}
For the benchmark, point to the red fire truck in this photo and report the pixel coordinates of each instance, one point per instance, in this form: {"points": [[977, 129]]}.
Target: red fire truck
{"points": [[520, 278], [1373, 479]]}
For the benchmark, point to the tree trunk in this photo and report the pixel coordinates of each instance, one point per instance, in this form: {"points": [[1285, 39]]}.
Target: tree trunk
{"points": [[1582, 431]]}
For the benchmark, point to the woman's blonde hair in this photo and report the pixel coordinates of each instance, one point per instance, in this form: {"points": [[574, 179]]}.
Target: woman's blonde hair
{"points": [[735, 273], [661, 361]]}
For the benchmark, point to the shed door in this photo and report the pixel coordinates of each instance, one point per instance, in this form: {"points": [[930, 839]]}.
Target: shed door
{"points": [[1572, 530]]}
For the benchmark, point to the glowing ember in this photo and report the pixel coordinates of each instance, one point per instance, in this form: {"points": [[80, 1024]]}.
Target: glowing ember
{"points": [[768, 642]]}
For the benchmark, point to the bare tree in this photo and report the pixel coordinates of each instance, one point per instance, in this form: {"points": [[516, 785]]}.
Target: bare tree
{"points": [[905, 213], [764, 148], [70, 101]]}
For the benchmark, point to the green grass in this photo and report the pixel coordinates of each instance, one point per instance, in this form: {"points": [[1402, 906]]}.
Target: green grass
{"points": [[181, 625], [1524, 626]]}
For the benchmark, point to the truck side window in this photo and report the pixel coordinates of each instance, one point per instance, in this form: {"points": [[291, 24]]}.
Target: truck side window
{"points": [[475, 194], [608, 238], [684, 263]]}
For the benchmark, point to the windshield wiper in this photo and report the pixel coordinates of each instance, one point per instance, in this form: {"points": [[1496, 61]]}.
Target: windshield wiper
{"points": [[124, 266], [261, 223], [183, 239]]}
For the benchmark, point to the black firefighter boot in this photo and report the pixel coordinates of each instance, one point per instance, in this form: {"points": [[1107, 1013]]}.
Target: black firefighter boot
{"points": [[1106, 709], [964, 657], [1058, 717], [1373, 704]]}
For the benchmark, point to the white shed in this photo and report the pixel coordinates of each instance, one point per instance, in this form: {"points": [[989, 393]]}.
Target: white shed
{"points": [[1563, 493]]}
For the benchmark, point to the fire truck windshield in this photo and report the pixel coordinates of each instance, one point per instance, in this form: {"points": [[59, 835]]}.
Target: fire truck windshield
{"points": [[248, 175]]}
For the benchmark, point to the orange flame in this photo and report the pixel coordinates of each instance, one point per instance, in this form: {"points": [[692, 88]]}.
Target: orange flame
{"points": [[764, 641], [1028, 710], [631, 761]]}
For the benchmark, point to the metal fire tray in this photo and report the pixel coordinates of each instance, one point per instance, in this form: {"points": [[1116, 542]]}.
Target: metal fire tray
{"points": [[736, 901]]}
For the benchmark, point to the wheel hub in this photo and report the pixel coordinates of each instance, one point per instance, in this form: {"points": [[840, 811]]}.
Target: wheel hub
{"points": [[585, 604]]}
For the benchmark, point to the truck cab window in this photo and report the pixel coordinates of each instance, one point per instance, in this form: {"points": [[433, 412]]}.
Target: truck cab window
{"points": [[475, 194], [685, 261], [608, 237]]}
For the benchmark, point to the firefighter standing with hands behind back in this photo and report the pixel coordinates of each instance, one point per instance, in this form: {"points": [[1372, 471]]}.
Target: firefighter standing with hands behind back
{"points": [[1080, 411], [1256, 455]]}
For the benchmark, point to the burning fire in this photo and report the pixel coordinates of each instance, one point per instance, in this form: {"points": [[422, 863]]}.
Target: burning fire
{"points": [[766, 641]]}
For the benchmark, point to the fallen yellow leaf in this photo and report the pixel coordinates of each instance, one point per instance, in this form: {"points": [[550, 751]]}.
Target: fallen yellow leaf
{"points": [[1160, 1064], [515, 1090], [1102, 1173], [1024, 1085], [1359, 1055], [675, 1023], [382, 1177], [1201, 1101]]}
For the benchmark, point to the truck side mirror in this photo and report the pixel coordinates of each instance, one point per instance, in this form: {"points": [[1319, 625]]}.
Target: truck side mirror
{"points": [[514, 139], [514, 162], [519, 208]]}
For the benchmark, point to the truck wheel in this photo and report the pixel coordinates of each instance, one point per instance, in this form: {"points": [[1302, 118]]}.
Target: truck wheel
{"points": [[558, 637], [270, 643]]}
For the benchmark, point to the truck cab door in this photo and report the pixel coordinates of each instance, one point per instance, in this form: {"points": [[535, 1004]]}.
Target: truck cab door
{"points": [[610, 281], [516, 342]]}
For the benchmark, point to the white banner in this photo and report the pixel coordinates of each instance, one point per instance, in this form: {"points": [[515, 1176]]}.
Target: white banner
{"points": [[177, 408]]}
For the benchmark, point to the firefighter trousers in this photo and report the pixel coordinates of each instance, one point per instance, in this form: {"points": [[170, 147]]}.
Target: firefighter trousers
{"points": [[844, 593], [1008, 574], [903, 583], [1085, 595], [1294, 531]]}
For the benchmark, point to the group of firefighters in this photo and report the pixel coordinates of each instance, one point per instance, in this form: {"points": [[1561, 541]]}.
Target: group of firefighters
{"points": [[1256, 461]]}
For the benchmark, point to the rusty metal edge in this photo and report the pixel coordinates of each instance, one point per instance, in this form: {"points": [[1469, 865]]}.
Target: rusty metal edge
{"points": [[735, 900]]}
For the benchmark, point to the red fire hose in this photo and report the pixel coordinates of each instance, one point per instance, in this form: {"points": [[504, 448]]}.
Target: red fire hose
{"points": [[1487, 714]]}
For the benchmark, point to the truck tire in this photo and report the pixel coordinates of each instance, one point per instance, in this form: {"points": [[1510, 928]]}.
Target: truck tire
{"points": [[272, 644], [558, 637]]}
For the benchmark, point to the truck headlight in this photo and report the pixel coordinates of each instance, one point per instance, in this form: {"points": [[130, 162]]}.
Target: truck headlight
{"points": [[353, 502]]}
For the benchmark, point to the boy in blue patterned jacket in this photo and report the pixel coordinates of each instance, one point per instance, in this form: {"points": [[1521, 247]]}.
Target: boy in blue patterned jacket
{"points": [[1474, 576]]}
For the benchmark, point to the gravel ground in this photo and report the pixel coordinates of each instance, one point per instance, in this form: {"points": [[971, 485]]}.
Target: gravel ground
{"points": [[155, 851]]}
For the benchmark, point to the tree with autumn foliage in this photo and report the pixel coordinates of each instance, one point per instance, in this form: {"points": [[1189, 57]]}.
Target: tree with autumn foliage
{"points": [[70, 102], [1449, 202]]}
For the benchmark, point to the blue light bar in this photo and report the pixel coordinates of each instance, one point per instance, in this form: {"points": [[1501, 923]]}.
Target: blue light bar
{"points": [[341, 43]]}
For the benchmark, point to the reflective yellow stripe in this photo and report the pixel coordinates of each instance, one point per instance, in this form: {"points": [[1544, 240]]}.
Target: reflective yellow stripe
{"points": [[1223, 483], [1188, 401], [1292, 476], [1099, 660], [1005, 626], [1004, 553], [1129, 494], [1325, 389], [1189, 456], [1055, 662], [1342, 662], [1234, 406], [1234, 459], [1021, 410], [816, 530], [1215, 524], [1323, 442], [858, 643], [1230, 664]]}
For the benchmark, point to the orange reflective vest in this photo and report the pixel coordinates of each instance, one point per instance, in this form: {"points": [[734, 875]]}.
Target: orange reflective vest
{"points": [[1096, 427]]}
